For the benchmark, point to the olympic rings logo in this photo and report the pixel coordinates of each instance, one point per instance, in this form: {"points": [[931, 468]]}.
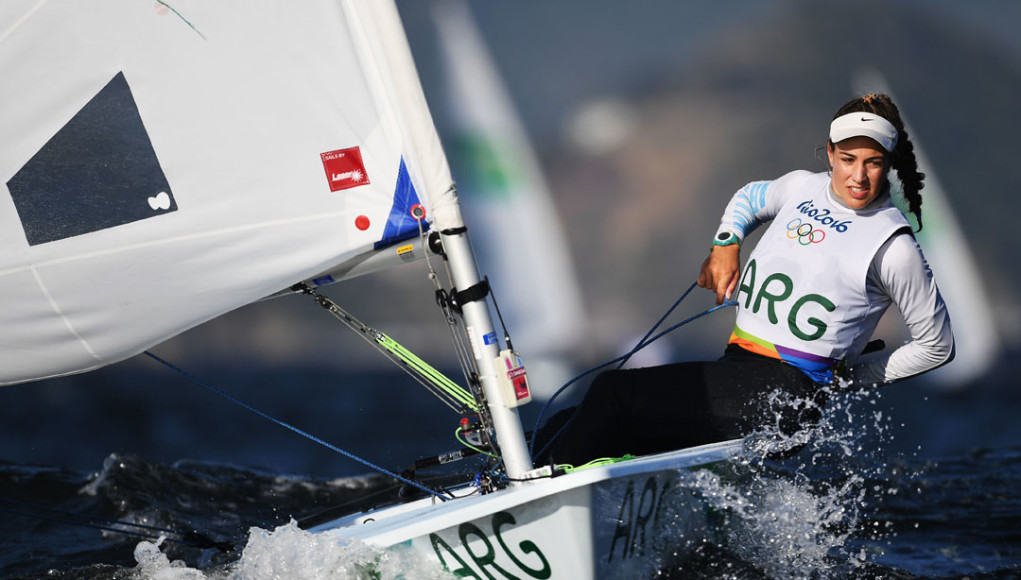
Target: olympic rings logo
{"points": [[803, 232]]}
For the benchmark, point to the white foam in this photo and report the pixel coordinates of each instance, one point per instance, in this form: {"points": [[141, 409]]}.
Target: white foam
{"points": [[290, 552], [154, 564], [795, 519]]}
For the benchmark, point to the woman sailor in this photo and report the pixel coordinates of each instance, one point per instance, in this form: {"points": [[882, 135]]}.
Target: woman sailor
{"points": [[836, 254]]}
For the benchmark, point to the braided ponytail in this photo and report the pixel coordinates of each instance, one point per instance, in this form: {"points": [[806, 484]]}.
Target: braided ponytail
{"points": [[902, 159]]}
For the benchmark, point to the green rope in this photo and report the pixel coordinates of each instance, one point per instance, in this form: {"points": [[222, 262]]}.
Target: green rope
{"points": [[596, 463], [427, 372], [428, 376]]}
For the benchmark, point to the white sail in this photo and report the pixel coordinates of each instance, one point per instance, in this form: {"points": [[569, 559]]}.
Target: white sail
{"points": [[161, 164], [508, 202], [976, 338]]}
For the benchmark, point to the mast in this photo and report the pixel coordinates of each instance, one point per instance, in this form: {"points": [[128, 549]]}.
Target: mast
{"points": [[431, 170], [509, 433], [502, 186]]}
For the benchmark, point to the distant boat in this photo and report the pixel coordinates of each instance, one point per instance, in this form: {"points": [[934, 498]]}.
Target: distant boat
{"points": [[946, 249], [504, 194]]}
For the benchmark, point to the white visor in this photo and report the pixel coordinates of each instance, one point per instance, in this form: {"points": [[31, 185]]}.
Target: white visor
{"points": [[864, 125]]}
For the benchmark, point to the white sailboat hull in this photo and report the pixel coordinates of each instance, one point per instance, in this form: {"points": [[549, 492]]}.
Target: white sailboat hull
{"points": [[620, 520]]}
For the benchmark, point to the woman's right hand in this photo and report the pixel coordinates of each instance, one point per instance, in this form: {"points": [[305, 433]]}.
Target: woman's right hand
{"points": [[721, 270]]}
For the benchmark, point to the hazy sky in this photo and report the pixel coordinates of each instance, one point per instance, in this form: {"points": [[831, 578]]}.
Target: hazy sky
{"points": [[556, 55]]}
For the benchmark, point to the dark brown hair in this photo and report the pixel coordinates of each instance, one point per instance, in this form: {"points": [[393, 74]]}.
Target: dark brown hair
{"points": [[902, 159]]}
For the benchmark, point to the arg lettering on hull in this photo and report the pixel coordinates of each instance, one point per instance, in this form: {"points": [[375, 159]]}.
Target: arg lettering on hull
{"points": [[642, 522], [488, 554], [548, 538]]}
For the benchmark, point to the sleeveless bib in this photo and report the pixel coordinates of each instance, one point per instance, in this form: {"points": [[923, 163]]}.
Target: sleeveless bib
{"points": [[802, 295]]}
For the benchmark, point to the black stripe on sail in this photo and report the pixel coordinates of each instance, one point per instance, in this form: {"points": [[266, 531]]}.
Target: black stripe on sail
{"points": [[97, 172]]}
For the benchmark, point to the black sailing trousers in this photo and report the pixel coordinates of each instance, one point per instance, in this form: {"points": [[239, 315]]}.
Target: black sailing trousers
{"points": [[655, 409]]}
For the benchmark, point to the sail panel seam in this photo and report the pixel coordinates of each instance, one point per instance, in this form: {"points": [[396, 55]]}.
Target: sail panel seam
{"points": [[24, 18], [67, 322]]}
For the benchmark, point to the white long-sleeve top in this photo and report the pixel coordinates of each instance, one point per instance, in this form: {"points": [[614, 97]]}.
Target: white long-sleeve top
{"points": [[898, 274]]}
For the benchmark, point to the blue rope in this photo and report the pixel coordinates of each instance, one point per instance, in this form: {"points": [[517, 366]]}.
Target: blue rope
{"points": [[682, 323], [108, 524], [297, 430], [644, 342], [95, 526], [639, 346]]}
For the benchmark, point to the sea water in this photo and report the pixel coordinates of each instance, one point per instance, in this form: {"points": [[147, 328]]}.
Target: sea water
{"points": [[859, 496], [807, 516]]}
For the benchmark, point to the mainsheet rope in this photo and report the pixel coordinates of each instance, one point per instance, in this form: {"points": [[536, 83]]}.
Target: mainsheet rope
{"points": [[644, 342], [304, 434]]}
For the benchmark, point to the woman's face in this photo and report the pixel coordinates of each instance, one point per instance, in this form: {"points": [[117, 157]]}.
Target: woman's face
{"points": [[859, 170]]}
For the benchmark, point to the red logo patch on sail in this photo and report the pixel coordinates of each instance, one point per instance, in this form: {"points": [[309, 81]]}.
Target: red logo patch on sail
{"points": [[344, 168]]}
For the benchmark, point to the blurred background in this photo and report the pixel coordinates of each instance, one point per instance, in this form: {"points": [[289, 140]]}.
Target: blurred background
{"points": [[639, 120]]}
